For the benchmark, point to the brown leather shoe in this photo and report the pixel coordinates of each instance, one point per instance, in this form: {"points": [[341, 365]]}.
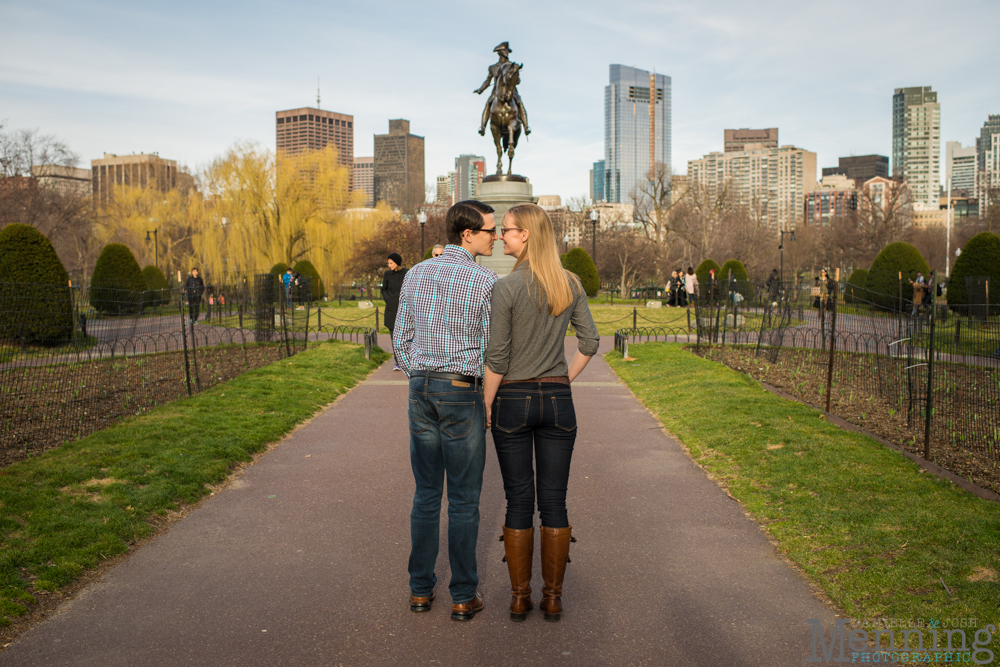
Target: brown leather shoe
{"points": [[555, 555], [421, 604], [518, 546], [466, 610]]}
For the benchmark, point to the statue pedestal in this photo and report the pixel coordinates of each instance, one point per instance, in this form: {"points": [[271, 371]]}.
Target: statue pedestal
{"points": [[502, 192]]}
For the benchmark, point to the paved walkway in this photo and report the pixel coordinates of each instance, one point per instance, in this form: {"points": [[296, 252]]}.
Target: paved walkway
{"points": [[302, 561]]}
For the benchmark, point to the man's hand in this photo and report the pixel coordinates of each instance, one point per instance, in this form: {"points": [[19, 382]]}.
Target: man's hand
{"points": [[489, 416]]}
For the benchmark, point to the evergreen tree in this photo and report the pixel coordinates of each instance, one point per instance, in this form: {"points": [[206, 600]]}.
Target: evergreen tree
{"points": [[35, 299], [578, 261], [117, 284]]}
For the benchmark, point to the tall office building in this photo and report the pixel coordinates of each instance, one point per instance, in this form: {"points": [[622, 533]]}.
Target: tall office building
{"points": [[399, 168], [135, 170], [308, 128], [637, 128], [960, 166], [446, 189], [984, 141], [916, 143], [597, 182], [469, 173], [860, 168], [735, 140], [772, 182], [364, 178]]}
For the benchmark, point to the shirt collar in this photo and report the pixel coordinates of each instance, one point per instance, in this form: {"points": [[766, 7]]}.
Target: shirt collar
{"points": [[458, 252]]}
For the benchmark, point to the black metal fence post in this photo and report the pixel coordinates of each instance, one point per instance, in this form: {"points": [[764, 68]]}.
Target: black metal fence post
{"points": [[929, 407], [187, 365], [833, 337], [635, 318], [284, 326], [194, 355]]}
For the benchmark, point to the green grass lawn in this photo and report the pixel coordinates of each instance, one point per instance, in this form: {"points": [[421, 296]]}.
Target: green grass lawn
{"points": [[861, 520], [66, 510]]}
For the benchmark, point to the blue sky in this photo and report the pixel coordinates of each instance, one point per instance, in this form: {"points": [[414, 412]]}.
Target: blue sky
{"points": [[188, 79]]}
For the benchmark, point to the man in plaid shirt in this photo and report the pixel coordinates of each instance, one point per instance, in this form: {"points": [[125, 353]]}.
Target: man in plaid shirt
{"points": [[442, 328]]}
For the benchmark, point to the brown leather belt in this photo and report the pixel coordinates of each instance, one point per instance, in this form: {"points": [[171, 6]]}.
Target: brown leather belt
{"points": [[561, 379]]}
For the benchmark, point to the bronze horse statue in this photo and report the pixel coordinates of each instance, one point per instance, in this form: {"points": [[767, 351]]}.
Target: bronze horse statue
{"points": [[505, 122]]}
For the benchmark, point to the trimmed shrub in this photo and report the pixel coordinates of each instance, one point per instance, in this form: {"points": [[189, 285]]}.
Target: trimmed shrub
{"points": [[36, 304], [278, 269], [157, 289], [883, 277], [739, 274], [705, 267], [305, 267], [117, 285], [578, 261], [855, 288], [980, 257]]}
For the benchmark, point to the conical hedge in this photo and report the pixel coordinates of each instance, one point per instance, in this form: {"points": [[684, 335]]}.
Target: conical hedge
{"points": [[35, 299], [702, 272], [157, 289], [980, 257], [117, 284], [578, 261], [305, 267], [855, 288], [883, 278]]}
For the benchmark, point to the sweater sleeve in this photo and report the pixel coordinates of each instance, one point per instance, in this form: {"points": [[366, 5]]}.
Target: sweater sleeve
{"points": [[587, 337], [498, 350]]}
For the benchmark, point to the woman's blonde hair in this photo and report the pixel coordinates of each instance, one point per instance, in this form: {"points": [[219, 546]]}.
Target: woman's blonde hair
{"points": [[542, 256]]}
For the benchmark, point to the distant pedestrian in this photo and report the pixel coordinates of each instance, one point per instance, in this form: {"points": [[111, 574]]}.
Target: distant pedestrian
{"points": [[691, 284], [286, 280], [194, 287], [437, 251], [772, 285], [392, 283]]}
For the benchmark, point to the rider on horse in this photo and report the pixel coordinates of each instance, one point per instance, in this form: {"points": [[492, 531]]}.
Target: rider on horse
{"points": [[494, 76]]}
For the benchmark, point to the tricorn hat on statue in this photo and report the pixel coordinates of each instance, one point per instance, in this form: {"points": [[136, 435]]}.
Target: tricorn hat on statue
{"points": [[503, 46]]}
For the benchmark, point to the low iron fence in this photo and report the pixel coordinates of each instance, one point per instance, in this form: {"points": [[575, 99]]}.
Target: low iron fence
{"points": [[916, 370], [74, 360]]}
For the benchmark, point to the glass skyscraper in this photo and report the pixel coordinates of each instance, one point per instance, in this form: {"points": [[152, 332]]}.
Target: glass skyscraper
{"points": [[597, 182], [626, 129]]}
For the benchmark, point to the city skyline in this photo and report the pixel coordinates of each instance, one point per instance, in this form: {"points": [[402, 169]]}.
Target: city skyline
{"points": [[119, 78]]}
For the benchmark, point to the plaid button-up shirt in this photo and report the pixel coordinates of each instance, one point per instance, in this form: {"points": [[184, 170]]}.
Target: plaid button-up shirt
{"points": [[443, 323]]}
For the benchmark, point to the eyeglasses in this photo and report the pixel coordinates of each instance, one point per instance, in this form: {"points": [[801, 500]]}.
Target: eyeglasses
{"points": [[504, 230], [492, 231]]}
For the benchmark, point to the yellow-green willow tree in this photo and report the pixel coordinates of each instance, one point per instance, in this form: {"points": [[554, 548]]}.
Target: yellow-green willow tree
{"points": [[177, 217], [263, 210]]}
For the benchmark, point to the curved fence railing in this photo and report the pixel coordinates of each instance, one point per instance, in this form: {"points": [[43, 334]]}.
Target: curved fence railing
{"points": [[932, 368]]}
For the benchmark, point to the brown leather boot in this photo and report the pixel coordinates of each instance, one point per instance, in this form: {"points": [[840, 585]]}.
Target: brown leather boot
{"points": [[555, 554], [519, 547]]}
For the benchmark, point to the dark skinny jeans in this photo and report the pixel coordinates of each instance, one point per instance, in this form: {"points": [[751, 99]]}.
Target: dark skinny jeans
{"points": [[534, 420]]}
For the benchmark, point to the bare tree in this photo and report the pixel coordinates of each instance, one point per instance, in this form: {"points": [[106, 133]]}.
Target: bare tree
{"points": [[652, 201], [883, 214], [62, 213], [626, 258]]}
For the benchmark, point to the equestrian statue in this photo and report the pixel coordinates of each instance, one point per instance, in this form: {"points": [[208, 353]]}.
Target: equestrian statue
{"points": [[504, 109]]}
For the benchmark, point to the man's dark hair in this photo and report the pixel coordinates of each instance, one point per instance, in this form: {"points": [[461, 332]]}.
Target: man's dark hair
{"points": [[464, 215]]}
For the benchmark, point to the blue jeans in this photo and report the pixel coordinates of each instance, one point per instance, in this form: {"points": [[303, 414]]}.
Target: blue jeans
{"points": [[534, 418], [447, 438]]}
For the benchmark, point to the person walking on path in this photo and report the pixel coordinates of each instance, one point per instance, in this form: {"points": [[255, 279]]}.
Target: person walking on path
{"points": [[440, 338], [392, 283], [529, 401], [286, 280], [194, 287], [691, 284]]}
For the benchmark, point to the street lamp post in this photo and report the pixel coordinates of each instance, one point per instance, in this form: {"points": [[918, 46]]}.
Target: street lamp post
{"points": [[156, 246], [422, 219], [781, 247], [566, 243], [594, 217]]}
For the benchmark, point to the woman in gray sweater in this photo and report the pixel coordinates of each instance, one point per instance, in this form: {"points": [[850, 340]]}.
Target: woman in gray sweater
{"points": [[529, 404]]}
